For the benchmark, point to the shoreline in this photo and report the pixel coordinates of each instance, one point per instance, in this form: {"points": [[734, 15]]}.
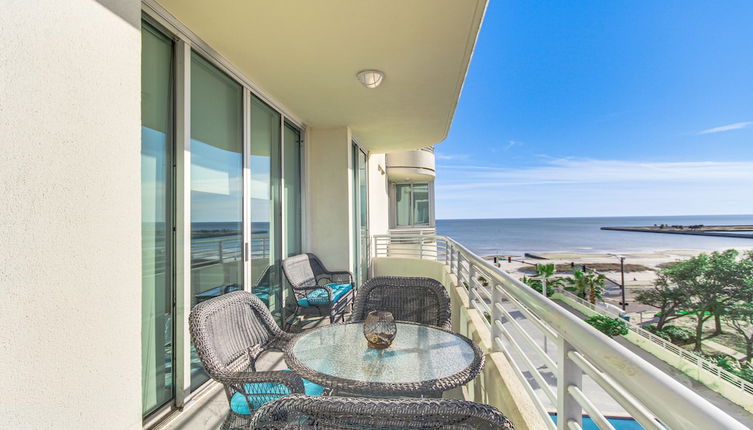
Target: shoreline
{"points": [[646, 264]]}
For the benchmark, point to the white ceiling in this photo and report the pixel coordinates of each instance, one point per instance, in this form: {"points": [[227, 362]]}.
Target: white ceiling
{"points": [[305, 54]]}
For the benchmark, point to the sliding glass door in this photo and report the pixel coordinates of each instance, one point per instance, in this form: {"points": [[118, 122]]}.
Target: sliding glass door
{"points": [[216, 188], [195, 183], [265, 205], [291, 199], [360, 216], [157, 312]]}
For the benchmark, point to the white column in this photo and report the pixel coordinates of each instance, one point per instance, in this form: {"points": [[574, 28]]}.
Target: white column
{"points": [[70, 221], [329, 196]]}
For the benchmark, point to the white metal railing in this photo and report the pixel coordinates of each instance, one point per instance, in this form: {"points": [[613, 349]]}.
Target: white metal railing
{"points": [[689, 357], [565, 364]]}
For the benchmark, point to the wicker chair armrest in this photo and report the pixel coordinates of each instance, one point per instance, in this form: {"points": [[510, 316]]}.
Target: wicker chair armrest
{"points": [[285, 377], [280, 342], [341, 277]]}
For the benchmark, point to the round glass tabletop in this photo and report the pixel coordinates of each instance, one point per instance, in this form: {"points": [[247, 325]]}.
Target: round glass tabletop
{"points": [[420, 355]]}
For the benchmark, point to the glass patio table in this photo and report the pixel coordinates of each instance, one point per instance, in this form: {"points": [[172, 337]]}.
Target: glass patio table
{"points": [[422, 360]]}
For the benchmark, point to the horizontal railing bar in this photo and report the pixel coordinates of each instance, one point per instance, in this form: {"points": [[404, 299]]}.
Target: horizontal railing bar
{"points": [[531, 317], [531, 393], [545, 388], [544, 356]]}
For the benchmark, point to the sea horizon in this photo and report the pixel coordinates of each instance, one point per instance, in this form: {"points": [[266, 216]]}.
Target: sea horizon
{"points": [[518, 236]]}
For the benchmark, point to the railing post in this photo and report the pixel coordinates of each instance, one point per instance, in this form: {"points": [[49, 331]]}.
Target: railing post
{"points": [[568, 373], [450, 255], [496, 315], [421, 247]]}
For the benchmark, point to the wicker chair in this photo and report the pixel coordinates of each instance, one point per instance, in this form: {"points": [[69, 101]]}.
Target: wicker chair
{"points": [[421, 300], [304, 412], [229, 333], [316, 287]]}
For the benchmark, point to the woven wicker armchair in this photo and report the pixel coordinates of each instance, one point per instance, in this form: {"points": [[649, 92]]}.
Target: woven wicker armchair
{"points": [[421, 300], [316, 287], [229, 333], [304, 412]]}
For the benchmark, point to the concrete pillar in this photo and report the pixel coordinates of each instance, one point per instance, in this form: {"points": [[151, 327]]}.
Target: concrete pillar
{"points": [[70, 221], [329, 197]]}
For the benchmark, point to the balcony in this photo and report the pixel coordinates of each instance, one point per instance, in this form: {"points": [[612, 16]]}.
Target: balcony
{"points": [[411, 166], [543, 360]]}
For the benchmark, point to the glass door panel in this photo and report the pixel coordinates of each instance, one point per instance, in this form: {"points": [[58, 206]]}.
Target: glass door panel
{"points": [[156, 220], [363, 226], [360, 222], [216, 188], [265, 206], [292, 201], [421, 204], [403, 204]]}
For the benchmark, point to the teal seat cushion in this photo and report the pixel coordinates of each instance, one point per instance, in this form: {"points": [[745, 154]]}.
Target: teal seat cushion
{"points": [[271, 391], [319, 297]]}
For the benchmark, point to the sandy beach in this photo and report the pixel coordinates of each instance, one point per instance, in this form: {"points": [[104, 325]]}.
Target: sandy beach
{"points": [[640, 270]]}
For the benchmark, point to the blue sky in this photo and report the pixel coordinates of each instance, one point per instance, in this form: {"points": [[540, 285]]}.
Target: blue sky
{"points": [[604, 108]]}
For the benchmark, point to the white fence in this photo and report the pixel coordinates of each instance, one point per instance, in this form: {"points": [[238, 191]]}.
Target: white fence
{"points": [[689, 357], [563, 362]]}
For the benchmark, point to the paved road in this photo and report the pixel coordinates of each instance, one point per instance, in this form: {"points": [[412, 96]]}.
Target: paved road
{"points": [[712, 396]]}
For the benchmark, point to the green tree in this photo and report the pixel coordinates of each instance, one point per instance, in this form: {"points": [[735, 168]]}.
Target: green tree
{"points": [[546, 273], [740, 317], [595, 285], [739, 314], [583, 283], [668, 298], [578, 284], [689, 275], [726, 275]]}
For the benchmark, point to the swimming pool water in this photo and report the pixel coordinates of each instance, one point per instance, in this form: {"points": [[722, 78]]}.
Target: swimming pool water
{"points": [[618, 423]]}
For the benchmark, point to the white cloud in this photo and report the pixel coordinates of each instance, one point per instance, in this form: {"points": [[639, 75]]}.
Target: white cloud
{"points": [[585, 187], [448, 157], [728, 127], [585, 171], [511, 143]]}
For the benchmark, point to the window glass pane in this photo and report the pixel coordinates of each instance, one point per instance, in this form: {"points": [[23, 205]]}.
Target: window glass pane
{"points": [[292, 192], [363, 252], [265, 180], [420, 204], [156, 222], [216, 188], [403, 206], [292, 202]]}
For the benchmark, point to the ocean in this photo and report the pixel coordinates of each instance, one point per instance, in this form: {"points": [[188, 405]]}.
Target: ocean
{"points": [[583, 235]]}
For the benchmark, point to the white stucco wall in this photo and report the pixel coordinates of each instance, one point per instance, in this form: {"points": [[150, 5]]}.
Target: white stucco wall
{"points": [[379, 197], [70, 268], [329, 206]]}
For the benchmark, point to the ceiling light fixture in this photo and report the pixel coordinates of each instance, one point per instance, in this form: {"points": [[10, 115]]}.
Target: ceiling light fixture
{"points": [[370, 78]]}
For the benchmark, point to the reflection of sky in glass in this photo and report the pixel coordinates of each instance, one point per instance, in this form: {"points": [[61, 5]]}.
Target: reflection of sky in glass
{"points": [[216, 186]]}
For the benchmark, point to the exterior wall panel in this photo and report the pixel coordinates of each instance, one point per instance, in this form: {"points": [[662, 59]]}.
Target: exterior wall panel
{"points": [[70, 252]]}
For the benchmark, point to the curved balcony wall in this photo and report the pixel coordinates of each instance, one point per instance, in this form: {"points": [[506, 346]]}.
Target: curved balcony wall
{"points": [[411, 166]]}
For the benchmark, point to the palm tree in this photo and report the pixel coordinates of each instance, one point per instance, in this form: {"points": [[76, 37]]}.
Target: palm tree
{"points": [[582, 283], [578, 284], [596, 285], [545, 273]]}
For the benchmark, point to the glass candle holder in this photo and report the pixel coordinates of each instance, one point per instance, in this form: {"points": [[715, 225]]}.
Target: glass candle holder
{"points": [[380, 329]]}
